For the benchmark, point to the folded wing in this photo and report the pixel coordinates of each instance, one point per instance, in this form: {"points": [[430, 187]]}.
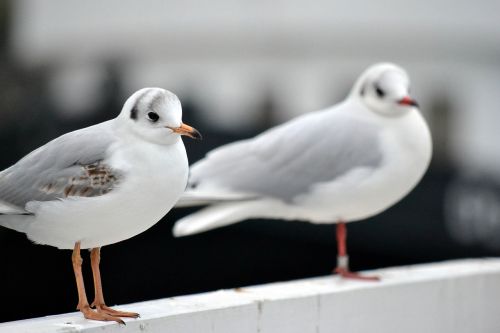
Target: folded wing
{"points": [[71, 165]]}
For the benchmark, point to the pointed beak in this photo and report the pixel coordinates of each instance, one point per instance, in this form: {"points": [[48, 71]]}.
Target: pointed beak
{"points": [[407, 100], [187, 131]]}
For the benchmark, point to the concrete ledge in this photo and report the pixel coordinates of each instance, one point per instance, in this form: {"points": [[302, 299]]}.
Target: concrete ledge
{"points": [[456, 296]]}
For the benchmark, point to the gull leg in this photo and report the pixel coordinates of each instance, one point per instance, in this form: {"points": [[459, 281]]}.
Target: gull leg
{"points": [[101, 307], [83, 304], [343, 259]]}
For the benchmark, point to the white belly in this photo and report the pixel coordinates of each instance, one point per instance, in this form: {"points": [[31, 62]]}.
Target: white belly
{"points": [[362, 192], [154, 180]]}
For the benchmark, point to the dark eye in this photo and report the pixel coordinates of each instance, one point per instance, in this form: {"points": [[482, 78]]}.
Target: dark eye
{"points": [[379, 91], [153, 116]]}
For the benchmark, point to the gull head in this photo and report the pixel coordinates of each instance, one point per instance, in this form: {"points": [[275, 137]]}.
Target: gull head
{"points": [[155, 115], [385, 88]]}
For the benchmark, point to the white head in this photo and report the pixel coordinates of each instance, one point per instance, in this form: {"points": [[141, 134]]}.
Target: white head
{"points": [[385, 89], [155, 115]]}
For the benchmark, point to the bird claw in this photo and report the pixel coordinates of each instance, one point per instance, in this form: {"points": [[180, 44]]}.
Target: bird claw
{"points": [[89, 313], [103, 308], [347, 274]]}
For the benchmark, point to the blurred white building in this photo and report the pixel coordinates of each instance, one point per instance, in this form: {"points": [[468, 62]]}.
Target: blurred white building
{"points": [[302, 55]]}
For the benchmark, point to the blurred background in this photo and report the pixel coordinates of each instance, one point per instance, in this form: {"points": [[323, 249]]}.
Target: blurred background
{"points": [[240, 67]]}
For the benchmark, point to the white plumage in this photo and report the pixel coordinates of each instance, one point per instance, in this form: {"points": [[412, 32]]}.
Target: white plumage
{"points": [[146, 166], [345, 163], [101, 185]]}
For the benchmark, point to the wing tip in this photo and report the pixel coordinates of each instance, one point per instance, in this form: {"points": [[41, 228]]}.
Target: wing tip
{"points": [[9, 209], [182, 229]]}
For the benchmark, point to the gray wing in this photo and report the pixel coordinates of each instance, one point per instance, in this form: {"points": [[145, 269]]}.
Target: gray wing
{"points": [[72, 165], [288, 160]]}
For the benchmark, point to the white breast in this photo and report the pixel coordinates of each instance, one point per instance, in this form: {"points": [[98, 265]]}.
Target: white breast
{"points": [[154, 178], [365, 192]]}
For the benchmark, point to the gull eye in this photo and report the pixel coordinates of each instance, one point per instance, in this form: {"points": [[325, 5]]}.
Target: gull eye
{"points": [[153, 116], [379, 91]]}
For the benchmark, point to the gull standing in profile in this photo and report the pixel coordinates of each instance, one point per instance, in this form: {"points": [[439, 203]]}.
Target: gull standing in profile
{"points": [[101, 185], [342, 164]]}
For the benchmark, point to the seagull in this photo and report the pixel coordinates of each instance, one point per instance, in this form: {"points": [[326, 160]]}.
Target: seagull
{"points": [[342, 164], [100, 185]]}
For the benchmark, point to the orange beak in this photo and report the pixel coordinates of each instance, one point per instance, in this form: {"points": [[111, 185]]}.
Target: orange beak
{"points": [[187, 131]]}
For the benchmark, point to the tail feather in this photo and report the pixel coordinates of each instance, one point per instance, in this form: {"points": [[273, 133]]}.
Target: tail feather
{"points": [[14, 217], [197, 198], [214, 217], [8, 209], [19, 222]]}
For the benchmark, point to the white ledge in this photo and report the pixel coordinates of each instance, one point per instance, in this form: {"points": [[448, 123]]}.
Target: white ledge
{"points": [[455, 296]]}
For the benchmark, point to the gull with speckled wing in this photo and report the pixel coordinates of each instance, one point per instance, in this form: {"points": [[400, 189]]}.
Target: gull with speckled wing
{"points": [[101, 185]]}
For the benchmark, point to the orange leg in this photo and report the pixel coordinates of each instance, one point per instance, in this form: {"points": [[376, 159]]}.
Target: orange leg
{"points": [[101, 307], [83, 304], [343, 259]]}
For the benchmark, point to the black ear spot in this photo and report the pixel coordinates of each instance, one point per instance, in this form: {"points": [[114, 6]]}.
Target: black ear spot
{"points": [[363, 90], [153, 116], [133, 113], [379, 91]]}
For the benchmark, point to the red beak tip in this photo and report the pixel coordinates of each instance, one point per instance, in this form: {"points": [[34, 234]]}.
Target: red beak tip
{"points": [[407, 100]]}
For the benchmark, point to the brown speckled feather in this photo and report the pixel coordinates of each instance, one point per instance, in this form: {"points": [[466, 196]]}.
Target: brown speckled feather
{"points": [[73, 165], [94, 180]]}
